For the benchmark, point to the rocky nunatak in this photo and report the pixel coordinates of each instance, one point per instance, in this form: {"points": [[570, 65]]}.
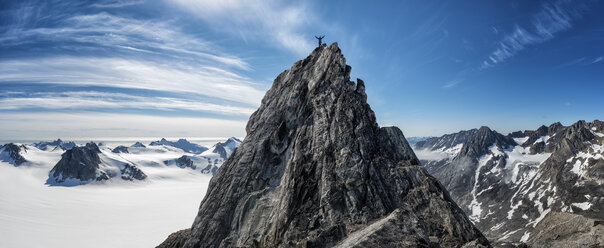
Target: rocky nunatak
{"points": [[315, 170]]}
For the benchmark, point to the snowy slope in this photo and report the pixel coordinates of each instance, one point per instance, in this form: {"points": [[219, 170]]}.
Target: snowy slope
{"points": [[110, 213]]}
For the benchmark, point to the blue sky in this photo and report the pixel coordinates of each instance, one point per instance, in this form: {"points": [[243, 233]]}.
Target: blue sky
{"points": [[185, 68]]}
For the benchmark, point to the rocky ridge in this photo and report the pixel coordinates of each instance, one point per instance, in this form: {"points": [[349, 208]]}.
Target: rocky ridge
{"points": [[544, 174], [315, 170]]}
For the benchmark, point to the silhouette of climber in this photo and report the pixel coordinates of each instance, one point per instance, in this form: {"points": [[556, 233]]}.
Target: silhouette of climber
{"points": [[320, 38]]}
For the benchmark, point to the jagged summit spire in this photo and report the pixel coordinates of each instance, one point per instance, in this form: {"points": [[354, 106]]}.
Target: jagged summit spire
{"points": [[315, 170]]}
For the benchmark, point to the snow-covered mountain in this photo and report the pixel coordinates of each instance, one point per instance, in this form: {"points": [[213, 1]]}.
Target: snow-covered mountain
{"points": [[77, 165], [183, 144], [543, 187], [57, 144], [224, 149], [12, 153], [86, 164]]}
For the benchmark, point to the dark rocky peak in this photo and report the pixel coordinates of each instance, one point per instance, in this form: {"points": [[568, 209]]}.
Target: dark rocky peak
{"points": [[554, 128], [185, 161], [130, 172], [446, 141], [517, 134], [597, 124], [120, 149], [482, 140], [163, 141], [541, 131], [569, 140], [11, 153], [92, 147], [138, 144], [80, 163], [315, 170]]}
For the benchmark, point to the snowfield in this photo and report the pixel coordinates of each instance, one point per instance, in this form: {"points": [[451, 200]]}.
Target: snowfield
{"points": [[112, 213]]}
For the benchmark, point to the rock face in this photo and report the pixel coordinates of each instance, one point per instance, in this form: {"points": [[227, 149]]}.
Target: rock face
{"points": [[315, 170], [510, 185], [11, 153]]}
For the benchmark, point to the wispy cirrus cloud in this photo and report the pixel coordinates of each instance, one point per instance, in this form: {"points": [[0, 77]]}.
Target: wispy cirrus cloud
{"points": [[117, 3], [280, 23], [129, 73], [452, 84], [553, 18], [94, 57], [104, 30], [105, 101]]}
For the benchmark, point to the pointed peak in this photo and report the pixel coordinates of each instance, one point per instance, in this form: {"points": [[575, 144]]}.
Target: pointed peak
{"points": [[484, 129]]}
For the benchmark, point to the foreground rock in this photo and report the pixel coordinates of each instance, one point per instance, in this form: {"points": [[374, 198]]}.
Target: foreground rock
{"points": [[315, 170], [520, 188]]}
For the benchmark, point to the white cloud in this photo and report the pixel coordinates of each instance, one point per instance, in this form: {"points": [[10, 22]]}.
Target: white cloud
{"points": [[552, 19], [117, 3], [116, 72], [106, 30], [598, 59], [280, 23], [107, 101], [452, 83], [24, 126]]}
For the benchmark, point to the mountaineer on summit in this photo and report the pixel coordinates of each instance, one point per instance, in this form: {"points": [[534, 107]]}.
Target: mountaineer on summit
{"points": [[320, 38]]}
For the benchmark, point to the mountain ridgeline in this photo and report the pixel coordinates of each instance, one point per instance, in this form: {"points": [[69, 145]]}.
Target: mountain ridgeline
{"points": [[542, 187], [315, 170], [73, 165]]}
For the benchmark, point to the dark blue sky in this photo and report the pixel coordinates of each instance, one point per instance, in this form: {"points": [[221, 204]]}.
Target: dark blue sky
{"points": [[199, 68]]}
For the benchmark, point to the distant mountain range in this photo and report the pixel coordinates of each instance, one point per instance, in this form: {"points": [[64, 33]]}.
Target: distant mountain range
{"points": [[543, 187], [71, 165]]}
